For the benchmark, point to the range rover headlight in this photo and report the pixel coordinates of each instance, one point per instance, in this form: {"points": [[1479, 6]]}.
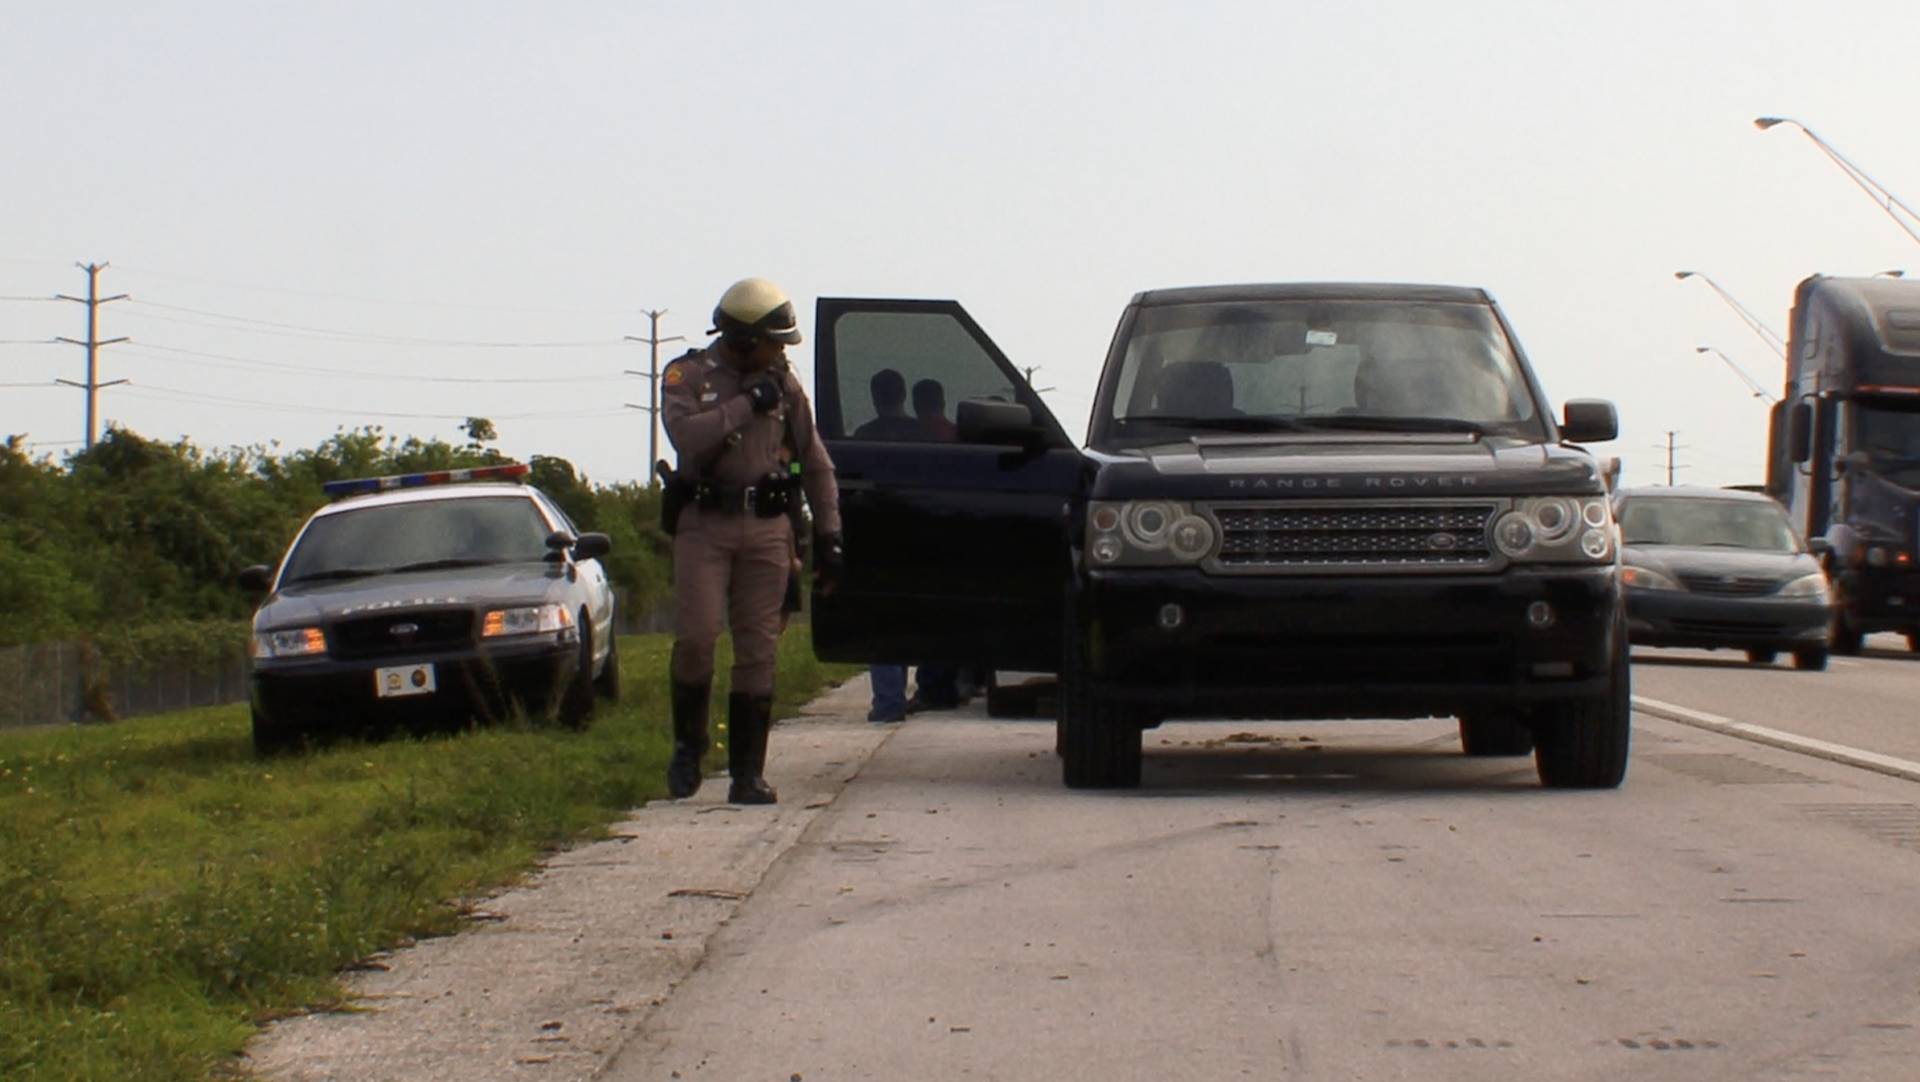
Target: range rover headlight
{"points": [[1148, 533], [1149, 522], [1556, 529]]}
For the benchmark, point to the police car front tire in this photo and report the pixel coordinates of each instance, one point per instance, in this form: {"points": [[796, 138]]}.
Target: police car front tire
{"points": [[576, 701]]}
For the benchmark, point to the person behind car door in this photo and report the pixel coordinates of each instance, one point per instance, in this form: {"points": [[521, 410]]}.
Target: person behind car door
{"points": [[888, 389], [728, 409]]}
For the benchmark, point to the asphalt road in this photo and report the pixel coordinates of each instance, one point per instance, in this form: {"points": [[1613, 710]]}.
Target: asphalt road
{"points": [[1351, 900]]}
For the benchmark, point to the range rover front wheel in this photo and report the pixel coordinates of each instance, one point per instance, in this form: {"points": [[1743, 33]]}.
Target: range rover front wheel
{"points": [[1583, 743], [1098, 740]]}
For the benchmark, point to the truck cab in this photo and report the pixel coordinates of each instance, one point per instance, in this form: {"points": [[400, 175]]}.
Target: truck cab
{"points": [[1844, 453], [1294, 501]]}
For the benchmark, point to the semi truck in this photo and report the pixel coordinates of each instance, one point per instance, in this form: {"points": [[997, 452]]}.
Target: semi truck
{"points": [[1844, 449]]}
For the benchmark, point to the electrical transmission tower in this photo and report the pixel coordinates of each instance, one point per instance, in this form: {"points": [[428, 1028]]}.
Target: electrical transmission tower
{"points": [[93, 300], [652, 408]]}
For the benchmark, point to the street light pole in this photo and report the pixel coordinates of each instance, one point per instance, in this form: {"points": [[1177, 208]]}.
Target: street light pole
{"points": [[1752, 384], [1767, 334], [1874, 189]]}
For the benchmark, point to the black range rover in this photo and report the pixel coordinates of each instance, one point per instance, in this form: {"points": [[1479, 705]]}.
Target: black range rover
{"points": [[1295, 501]]}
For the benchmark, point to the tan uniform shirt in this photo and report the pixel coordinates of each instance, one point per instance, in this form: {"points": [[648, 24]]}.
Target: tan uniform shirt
{"points": [[710, 420]]}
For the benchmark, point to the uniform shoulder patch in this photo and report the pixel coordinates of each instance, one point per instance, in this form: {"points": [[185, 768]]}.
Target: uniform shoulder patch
{"points": [[676, 373]]}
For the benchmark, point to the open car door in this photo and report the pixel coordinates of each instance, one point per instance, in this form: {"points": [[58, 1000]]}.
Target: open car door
{"points": [[956, 535]]}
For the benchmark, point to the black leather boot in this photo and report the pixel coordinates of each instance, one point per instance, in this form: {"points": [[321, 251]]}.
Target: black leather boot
{"points": [[690, 704], [748, 719]]}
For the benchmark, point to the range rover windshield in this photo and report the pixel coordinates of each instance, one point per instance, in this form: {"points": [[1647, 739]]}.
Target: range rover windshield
{"points": [[1318, 365]]}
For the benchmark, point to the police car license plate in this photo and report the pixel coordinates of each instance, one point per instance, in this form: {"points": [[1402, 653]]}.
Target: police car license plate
{"points": [[403, 680]]}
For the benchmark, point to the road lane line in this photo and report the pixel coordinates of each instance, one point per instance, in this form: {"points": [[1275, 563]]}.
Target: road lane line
{"points": [[1760, 734]]}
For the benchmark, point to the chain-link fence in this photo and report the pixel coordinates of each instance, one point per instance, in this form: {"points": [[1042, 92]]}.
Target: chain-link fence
{"points": [[59, 683], [55, 683]]}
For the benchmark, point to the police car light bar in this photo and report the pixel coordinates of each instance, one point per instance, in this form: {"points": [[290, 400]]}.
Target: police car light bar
{"points": [[431, 477]]}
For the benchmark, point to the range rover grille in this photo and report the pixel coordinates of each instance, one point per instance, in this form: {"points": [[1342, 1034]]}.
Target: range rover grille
{"points": [[1366, 536]]}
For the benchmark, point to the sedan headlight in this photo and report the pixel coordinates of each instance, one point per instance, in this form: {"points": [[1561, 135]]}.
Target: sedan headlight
{"points": [[293, 642], [1147, 533], [1809, 587], [526, 620], [1556, 529], [1640, 578]]}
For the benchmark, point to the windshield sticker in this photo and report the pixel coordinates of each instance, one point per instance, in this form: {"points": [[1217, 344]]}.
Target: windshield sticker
{"points": [[1323, 338]]}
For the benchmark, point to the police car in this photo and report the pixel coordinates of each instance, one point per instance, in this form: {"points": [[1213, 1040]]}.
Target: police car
{"points": [[428, 601]]}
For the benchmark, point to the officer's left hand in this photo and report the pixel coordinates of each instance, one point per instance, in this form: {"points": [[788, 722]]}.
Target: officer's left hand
{"points": [[765, 394], [829, 562]]}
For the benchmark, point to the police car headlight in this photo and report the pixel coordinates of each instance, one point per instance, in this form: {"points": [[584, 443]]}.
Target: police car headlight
{"points": [[526, 620], [1556, 529], [293, 642], [1148, 533]]}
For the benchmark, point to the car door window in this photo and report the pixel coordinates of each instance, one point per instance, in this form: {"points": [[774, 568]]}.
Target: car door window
{"points": [[901, 375]]}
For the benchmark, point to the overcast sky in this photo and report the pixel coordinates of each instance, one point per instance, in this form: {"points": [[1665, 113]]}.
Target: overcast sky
{"points": [[316, 210]]}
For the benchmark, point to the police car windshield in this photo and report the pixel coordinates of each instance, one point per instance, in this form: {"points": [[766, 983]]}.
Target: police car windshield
{"points": [[418, 535]]}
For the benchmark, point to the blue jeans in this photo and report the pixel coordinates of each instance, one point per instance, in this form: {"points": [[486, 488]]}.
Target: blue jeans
{"points": [[889, 692]]}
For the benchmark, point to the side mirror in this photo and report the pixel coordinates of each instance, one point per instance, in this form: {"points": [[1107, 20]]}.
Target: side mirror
{"points": [[255, 579], [1590, 420], [1800, 432], [1819, 546], [990, 420], [592, 545]]}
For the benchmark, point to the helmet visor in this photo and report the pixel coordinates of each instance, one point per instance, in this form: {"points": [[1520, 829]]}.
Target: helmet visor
{"points": [[779, 325]]}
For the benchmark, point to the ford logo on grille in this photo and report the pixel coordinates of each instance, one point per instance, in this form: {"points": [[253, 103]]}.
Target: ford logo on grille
{"points": [[1442, 542], [404, 631]]}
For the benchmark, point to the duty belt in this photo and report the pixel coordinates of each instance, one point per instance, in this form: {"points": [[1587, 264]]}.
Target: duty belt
{"points": [[725, 499], [769, 499]]}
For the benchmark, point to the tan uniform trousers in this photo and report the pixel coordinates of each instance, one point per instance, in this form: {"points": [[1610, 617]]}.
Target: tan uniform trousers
{"points": [[733, 564]]}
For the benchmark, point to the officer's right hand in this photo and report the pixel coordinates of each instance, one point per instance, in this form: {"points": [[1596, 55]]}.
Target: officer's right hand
{"points": [[829, 562], [765, 394]]}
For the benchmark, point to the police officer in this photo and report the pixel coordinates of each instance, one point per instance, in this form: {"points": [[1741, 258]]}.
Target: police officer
{"points": [[744, 434]]}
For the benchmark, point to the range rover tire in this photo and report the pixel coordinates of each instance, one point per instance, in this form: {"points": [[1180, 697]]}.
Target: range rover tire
{"points": [[1812, 659], [1098, 741], [1491, 734], [1583, 743]]}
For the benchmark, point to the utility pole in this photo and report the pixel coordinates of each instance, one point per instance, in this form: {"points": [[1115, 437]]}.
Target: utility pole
{"points": [[93, 301], [1670, 447], [1029, 371], [652, 408]]}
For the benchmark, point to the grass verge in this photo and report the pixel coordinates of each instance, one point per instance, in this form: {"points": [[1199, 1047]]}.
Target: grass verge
{"points": [[162, 891]]}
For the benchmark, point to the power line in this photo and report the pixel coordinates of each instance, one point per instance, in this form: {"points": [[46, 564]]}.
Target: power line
{"points": [[247, 364], [285, 329], [170, 394], [254, 286]]}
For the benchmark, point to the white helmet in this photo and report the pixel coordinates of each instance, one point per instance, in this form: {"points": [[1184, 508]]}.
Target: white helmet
{"points": [[755, 308]]}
